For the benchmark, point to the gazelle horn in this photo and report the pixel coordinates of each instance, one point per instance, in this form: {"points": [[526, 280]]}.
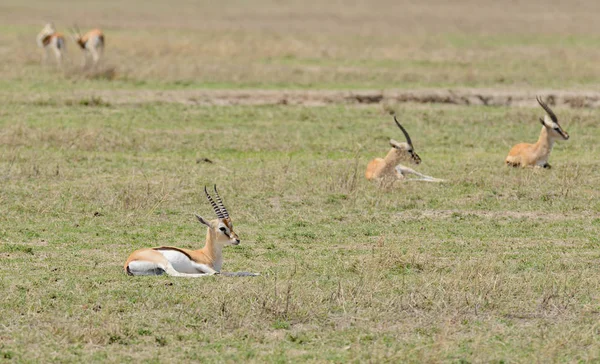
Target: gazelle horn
{"points": [[220, 203], [547, 108], [214, 205], [404, 132]]}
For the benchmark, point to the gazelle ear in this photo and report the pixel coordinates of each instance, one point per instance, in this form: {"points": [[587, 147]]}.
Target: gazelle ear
{"points": [[201, 219], [542, 121]]}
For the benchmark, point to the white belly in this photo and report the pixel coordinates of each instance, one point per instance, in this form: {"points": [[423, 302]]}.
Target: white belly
{"points": [[181, 262]]}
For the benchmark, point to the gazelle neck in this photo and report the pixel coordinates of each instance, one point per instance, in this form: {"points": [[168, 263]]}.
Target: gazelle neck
{"points": [[212, 250], [545, 142], [394, 157]]}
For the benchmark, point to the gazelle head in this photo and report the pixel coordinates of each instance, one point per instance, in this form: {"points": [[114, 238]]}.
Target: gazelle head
{"points": [[405, 149], [550, 122], [46, 31], [221, 228], [76, 35]]}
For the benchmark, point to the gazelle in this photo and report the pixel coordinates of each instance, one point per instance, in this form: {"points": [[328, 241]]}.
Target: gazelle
{"points": [[389, 168], [536, 155], [50, 40], [181, 262], [92, 44]]}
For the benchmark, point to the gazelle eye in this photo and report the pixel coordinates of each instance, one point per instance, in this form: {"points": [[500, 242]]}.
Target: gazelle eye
{"points": [[223, 229]]}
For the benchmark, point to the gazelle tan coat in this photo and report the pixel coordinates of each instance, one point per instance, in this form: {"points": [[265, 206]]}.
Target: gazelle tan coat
{"points": [[181, 262], [51, 41], [92, 43], [537, 154], [390, 167]]}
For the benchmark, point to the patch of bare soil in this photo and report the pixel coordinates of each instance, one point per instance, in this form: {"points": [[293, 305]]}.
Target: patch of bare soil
{"points": [[465, 97], [448, 214]]}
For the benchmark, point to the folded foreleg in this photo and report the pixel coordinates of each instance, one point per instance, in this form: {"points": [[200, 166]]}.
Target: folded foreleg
{"points": [[405, 171]]}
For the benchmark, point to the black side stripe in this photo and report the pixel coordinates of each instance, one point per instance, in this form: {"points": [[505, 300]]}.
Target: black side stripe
{"points": [[173, 248]]}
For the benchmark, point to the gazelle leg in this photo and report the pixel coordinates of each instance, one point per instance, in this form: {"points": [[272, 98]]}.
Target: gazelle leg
{"points": [[95, 57], [45, 56], [58, 54], [84, 65], [204, 268], [172, 272], [402, 170], [239, 274]]}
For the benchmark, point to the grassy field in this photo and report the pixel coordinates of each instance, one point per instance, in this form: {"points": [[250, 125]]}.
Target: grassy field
{"points": [[308, 44], [496, 265]]}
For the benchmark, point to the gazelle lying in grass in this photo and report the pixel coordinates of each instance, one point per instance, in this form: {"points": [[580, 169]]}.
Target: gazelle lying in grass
{"points": [[92, 44], [389, 168], [50, 40], [181, 262], [536, 155]]}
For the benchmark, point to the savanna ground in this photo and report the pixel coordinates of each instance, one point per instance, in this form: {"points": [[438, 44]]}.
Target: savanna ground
{"points": [[497, 264]]}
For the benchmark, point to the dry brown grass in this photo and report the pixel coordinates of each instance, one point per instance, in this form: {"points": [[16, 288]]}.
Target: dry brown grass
{"points": [[336, 45]]}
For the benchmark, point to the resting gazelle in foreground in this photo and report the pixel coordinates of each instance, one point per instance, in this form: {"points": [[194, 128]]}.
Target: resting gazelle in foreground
{"points": [[389, 168], [50, 40], [92, 44], [536, 155], [179, 262]]}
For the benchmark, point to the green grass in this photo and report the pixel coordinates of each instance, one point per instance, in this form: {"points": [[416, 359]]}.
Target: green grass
{"points": [[498, 264]]}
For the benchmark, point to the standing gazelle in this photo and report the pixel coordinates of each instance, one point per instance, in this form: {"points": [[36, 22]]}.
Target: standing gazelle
{"points": [[536, 155], [389, 168], [92, 44], [181, 262], [50, 40]]}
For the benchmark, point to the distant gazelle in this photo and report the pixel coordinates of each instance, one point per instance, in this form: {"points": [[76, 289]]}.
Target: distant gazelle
{"points": [[180, 262], [51, 41], [536, 155], [92, 44], [390, 169]]}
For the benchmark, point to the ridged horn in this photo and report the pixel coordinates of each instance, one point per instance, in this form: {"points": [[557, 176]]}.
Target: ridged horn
{"points": [[220, 203], [214, 205]]}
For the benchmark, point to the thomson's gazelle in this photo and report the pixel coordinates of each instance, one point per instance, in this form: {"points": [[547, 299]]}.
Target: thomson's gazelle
{"points": [[50, 40], [536, 155], [389, 168], [92, 44], [180, 262]]}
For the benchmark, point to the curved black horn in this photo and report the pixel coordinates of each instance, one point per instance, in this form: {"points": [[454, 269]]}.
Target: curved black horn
{"points": [[220, 203], [404, 132], [547, 108], [214, 205]]}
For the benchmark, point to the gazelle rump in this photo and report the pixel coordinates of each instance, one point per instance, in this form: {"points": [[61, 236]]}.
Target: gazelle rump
{"points": [[50, 40], [537, 154], [181, 262], [390, 167], [92, 44]]}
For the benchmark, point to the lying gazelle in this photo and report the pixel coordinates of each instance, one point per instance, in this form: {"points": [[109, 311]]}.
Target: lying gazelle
{"points": [[181, 262], [50, 40], [92, 44], [389, 168], [536, 155]]}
